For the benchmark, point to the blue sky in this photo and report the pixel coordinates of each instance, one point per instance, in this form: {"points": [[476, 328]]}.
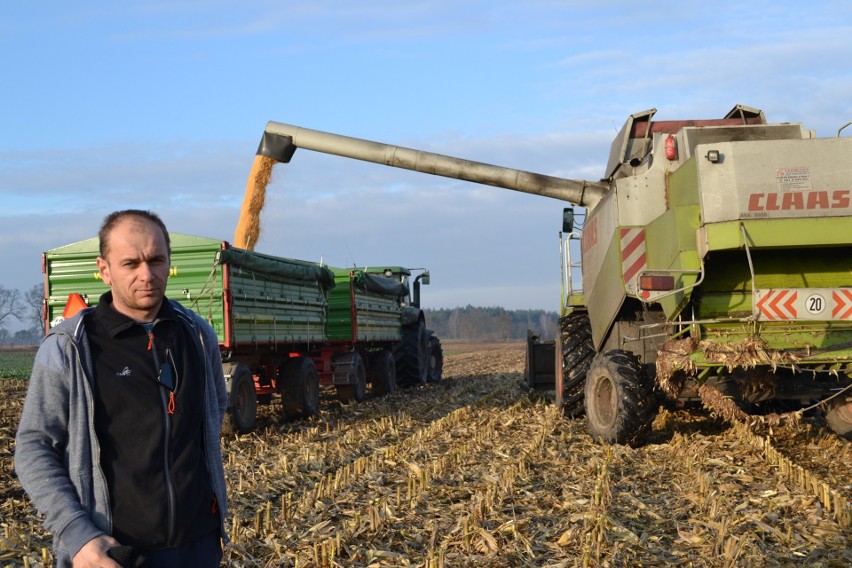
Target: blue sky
{"points": [[161, 105]]}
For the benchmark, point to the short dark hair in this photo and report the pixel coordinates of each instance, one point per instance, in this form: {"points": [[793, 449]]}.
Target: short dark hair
{"points": [[111, 220]]}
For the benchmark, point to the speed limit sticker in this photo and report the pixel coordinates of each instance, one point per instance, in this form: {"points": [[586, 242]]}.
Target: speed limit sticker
{"points": [[815, 304]]}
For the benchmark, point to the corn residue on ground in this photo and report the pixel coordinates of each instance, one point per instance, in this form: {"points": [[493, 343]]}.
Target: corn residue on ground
{"points": [[475, 472]]}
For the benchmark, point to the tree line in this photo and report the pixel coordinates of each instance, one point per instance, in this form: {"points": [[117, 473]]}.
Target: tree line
{"points": [[490, 323], [469, 322], [25, 309]]}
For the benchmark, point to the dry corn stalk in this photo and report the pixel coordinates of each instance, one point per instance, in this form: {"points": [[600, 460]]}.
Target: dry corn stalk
{"points": [[674, 365], [522, 476]]}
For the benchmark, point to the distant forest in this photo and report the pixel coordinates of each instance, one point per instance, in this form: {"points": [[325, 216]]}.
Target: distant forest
{"points": [[490, 324]]}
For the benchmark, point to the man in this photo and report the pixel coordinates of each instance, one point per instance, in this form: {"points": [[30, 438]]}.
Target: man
{"points": [[118, 444]]}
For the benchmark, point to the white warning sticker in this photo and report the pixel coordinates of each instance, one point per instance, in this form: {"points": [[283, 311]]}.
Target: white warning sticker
{"points": [[793, 179]]}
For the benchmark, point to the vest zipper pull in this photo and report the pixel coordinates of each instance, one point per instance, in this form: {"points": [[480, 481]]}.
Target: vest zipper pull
{"points": [[171, 406]]}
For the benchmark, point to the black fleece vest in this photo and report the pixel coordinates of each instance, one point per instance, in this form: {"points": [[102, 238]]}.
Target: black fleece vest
{"points": [[149, 412]]}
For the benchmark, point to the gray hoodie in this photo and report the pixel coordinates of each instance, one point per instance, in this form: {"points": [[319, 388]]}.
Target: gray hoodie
{"points": [[56, 449]]}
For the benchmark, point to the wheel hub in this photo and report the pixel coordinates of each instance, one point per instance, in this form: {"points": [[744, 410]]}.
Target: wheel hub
{"points": [[605, 401]]}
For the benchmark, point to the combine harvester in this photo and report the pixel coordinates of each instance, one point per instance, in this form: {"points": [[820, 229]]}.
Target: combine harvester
{"points": [[285, 326], [716, 260]]}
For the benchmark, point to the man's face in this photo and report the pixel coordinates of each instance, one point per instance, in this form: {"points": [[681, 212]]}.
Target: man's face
{"points": [[136, 267]]}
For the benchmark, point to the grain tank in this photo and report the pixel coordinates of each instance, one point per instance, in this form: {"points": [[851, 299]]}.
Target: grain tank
{"points": [[716, 260]]}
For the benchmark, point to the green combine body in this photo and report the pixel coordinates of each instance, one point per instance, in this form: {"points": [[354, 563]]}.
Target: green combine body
{"points": [[284, 326], [717, 267]]}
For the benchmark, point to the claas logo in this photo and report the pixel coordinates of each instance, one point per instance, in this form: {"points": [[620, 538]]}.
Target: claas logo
{"points": [[799, 200]]}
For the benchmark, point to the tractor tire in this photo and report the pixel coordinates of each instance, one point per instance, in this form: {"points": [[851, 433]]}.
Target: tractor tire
{"points": [[243, 397], [838, 415], [412, 360], [619, 398], [299, 388], [357, 390], [578, 351], [383, 369], [436, 358]]}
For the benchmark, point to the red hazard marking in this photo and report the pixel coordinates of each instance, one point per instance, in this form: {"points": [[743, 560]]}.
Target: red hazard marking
{"points": [[632, 245], [842, 299], [633, 258], [634, 268], [778, 304], [788, 305], [760, 304]]}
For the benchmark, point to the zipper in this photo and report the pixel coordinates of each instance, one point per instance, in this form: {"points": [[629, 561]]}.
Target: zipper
{"points": [[168, 408], [170, 489]]}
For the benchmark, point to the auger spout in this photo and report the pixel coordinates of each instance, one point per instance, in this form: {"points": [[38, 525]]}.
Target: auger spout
{"points": [[281, 140]]}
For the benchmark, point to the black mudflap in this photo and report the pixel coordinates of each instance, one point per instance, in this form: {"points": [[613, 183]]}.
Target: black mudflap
{"points": [[539, 371]]}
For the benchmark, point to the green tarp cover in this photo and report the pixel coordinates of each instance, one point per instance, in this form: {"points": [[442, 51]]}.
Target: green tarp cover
{"points": [[277, 266], [380, 284]]}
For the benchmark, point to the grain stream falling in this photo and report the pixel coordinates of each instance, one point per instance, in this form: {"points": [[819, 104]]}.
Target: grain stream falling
{"points": [[475, 472], [248, 226]]}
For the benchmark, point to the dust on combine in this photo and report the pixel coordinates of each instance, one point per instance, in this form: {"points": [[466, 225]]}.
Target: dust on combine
{"points": [[471, 472]]}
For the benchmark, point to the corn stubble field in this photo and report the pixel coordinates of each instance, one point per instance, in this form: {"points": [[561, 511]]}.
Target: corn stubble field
{"points": [[474, 472]]}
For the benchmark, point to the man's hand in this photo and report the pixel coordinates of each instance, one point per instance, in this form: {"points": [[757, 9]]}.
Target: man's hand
{"points": [[94, 553]]}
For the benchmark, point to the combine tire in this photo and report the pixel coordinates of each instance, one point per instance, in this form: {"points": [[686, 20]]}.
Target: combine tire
{"points": [[357, 389], [578, 351], [384, 372], [243, 396], [412, 361], [436, 359], [299, 388], [838, 415], [620, 401]]}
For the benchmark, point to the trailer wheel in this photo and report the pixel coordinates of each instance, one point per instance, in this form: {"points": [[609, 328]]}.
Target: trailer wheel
{"points": [[243, 399], [435, 358], [838, 414], [384, 372], [299, 388], [412, 361], [578, 351], [620, 401], [357, 389]]}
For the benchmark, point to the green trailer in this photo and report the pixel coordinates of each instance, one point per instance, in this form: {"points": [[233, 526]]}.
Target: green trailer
{"points": [[374, 305], [285, 327]]}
